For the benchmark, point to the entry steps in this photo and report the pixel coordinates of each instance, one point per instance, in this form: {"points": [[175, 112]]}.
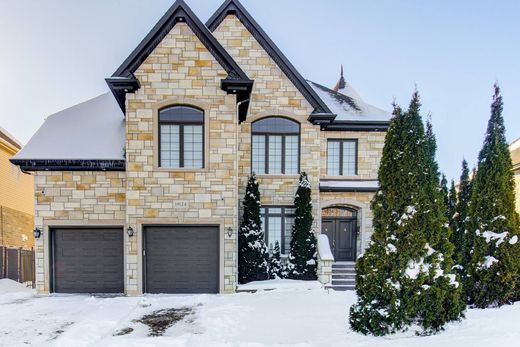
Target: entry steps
{"points": [[343, 276]]}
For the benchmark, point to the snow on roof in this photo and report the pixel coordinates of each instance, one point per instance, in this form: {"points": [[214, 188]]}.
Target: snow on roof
{"points": [[349, 107], [92, 130], [350, 184], [5, 135]]}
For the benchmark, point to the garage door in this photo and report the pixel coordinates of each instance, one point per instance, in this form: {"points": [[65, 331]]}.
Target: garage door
{"points": [[181, 259], [88, 260]]}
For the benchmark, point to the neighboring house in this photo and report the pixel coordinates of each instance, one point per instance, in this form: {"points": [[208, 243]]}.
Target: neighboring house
{"points": [[165, 158], [514, 148], [16, 198]]}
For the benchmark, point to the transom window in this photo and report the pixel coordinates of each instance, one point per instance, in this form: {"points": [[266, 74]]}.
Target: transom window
{"points": [[181, 137], [277, 224], [341, 157], [276, 146]]}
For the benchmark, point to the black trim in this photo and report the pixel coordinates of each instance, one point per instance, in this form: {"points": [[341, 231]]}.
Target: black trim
{"points": [[234, 7], [69, 164], [341, 152], [283, 215], [266, 136], [236, 82], [181, 125], [358, 126], [347, 189]]}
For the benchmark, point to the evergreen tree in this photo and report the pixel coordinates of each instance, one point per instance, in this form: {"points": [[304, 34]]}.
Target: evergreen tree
{"points": [[275, 262], [494, 266], [445, 194], [252, 251], [404, 276], [461, 238], [452, 205], [302, 260]]}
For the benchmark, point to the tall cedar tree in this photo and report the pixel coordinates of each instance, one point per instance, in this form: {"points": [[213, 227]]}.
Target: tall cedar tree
{"points": [[404, 276], [452, 205], [275, 262], [302, 260], [445, 194], [461, 238], [252, 251], [495, 260]]}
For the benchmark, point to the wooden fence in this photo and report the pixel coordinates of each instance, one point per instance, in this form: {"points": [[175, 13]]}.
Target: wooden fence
{"points": [[17, 264]]}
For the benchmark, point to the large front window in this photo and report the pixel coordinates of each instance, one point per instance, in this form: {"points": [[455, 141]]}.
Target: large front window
{"points": [[276, 146], [341, 157], [277, 223], [181, 137]]}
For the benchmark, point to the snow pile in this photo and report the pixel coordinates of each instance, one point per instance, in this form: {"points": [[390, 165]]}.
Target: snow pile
{"points": [[280, 285], [488, 262], [11, 290], [324, 251]]}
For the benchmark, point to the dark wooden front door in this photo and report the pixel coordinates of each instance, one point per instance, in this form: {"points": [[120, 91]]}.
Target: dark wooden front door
{"points": [[342, 237]]}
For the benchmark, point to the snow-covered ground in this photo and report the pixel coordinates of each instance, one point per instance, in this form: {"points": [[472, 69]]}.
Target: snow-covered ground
{"points": [[285, 317]]}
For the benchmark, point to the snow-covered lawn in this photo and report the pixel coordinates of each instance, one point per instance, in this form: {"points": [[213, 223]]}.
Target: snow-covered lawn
{"points": [[312, 317]]}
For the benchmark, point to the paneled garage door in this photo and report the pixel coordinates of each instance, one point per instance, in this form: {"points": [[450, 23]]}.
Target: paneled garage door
{"points": [[181, 259], [88, 260]]}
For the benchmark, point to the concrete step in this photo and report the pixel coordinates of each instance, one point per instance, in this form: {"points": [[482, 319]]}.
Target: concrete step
{"points": [[340, 287], [343, 281], [344, 272], [343, 276]]}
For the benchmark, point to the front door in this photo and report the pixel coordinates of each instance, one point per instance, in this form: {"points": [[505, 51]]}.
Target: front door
{"points": [[342, 237]]}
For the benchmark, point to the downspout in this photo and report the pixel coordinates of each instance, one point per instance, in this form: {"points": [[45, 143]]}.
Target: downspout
{"points": [[236, 187]]}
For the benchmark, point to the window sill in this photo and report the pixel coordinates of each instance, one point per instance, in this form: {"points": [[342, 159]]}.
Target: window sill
{"points": [[165, 169], [356, 177], [278, 176]]}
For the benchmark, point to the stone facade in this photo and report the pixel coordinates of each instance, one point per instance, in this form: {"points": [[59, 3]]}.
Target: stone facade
{"points": [[181, 71], [273, 95], [74, 198]]}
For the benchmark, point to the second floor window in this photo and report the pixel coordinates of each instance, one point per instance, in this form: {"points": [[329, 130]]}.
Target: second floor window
{"points": [[181, 137], [341, 157], [275, 146]]}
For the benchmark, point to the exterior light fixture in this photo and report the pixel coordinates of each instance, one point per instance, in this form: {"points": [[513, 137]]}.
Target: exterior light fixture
{"points": [[130, 232], [229, 231], [37, 233]]}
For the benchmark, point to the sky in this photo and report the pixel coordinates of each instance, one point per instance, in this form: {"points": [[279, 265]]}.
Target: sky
{"points": [[56, 53]]}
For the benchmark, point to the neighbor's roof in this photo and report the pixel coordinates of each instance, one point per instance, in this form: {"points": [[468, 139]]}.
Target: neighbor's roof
{"points": [[10, 139], [349, 107], [514, 148], [94, 129]]}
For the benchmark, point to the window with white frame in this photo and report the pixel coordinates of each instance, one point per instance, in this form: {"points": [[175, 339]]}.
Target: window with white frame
{"points": [[277, 224], [181, 137], [276, 146], [341, 157]]}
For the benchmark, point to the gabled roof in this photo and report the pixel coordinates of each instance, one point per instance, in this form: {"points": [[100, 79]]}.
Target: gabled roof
{"points": [[124, 81], [87, 136], [321, 114]]}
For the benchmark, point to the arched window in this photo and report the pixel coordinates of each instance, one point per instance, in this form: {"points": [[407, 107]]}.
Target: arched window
{"points": [[181, 137], [276, 146]]}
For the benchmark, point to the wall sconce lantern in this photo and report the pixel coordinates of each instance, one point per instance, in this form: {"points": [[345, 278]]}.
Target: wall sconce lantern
{"points": [[130, 232], [37, 233], [229, 231]]}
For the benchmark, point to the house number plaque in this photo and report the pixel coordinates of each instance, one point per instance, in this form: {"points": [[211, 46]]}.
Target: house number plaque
{"points": [[180, 203]]}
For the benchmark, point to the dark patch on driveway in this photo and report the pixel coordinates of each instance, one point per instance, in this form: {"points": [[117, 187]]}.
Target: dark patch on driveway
{"points": [[159, 321]]}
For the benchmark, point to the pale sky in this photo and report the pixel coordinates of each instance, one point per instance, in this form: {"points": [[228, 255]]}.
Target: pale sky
{"points": [[56, 53]]}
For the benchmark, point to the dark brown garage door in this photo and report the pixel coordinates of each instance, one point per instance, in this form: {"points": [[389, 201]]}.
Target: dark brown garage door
{"points": [[88, 260], [181, 259]]}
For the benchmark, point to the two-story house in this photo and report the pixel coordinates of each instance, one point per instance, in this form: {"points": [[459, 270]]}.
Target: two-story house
{"points": [[139, 190]]}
